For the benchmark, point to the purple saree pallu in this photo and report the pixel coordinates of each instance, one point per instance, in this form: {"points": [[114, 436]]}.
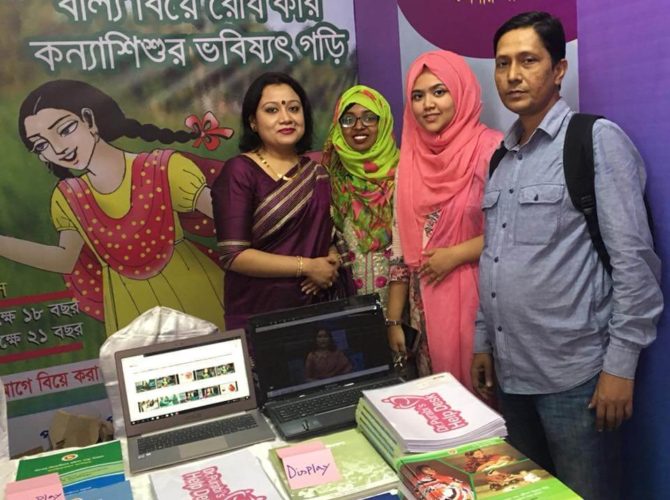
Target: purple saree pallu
{"points": [[291, 217]]}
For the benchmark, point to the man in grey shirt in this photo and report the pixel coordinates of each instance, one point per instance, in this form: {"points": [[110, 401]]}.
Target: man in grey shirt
{"points": [[564, 334]]}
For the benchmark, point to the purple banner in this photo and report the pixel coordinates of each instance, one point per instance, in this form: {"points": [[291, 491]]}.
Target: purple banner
{"points": [[468, 20], [624, 75]]}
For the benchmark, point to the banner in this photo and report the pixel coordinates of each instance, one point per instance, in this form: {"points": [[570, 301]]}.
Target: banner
{"points": [[158, 86], [467, 28]]}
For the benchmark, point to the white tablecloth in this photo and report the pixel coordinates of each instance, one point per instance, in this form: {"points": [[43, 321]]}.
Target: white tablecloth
{"points": [[141, 483]]}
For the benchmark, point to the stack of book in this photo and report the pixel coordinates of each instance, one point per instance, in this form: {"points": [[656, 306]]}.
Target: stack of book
{"points": [[362, 472], [490, 468], [426, 414]]}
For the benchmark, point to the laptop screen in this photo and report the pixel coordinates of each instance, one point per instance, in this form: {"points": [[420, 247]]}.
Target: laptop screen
{"points": [[329, 348], [185, 379]]}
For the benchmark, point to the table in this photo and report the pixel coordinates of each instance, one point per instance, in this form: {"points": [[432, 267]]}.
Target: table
{"points": [[141, 483]]}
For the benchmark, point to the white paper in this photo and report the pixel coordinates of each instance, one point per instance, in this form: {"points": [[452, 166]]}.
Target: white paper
{"points": [[232, 475]]}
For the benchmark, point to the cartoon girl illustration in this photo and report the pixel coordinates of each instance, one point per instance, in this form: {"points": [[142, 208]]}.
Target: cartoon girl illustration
{"points": [[121, 244]]}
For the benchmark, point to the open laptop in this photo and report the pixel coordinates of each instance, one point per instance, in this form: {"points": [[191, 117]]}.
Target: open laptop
{"points": [[313, 362], [188, 398]]}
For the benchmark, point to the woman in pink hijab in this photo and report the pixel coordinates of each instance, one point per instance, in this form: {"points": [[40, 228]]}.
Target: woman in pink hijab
{"points": [[443, 164]]}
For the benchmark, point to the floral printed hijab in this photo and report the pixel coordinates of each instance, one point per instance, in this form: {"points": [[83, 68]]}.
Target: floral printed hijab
{"points": [[363, 182]]}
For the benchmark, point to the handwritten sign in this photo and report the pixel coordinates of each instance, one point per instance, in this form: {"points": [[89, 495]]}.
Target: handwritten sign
{"points": [[47, 487], [289, 451], [310, 468]]}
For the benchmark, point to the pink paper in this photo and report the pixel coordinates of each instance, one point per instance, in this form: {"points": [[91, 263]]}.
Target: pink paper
{"points": [[311, 468], [289, 451], [47, 487]]}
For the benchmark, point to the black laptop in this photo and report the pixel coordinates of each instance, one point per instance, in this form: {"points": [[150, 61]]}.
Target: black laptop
{"points": [[312, 362]]}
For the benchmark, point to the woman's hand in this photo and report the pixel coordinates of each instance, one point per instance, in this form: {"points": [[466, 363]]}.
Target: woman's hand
{"points": [[396, 337], [439, 263], [309, 287], [320, 273], [334, 255]]}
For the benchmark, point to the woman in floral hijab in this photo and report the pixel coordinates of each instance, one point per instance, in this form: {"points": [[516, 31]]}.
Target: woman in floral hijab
{"points": [[361, 156]]}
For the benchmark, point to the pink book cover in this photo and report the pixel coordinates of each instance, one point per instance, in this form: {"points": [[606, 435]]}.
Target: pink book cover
{"points": [[47, 487]]}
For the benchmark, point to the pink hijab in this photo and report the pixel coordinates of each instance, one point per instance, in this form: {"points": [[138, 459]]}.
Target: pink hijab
{"points": [[445, 172]]}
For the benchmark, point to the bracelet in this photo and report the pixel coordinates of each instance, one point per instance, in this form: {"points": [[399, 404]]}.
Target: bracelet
{"points": [[298, 274], [393, 322]]}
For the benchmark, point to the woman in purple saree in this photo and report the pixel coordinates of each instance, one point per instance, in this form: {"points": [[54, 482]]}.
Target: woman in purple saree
{"points": [[271, 207]]}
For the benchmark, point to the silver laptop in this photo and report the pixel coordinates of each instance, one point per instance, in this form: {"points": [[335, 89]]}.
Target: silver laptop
{"points": [[188, 398], [313, 362]]}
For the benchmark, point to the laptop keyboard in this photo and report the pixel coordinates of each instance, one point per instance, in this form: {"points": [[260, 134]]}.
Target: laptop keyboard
{"points": [[326, 402], [195, 433]]}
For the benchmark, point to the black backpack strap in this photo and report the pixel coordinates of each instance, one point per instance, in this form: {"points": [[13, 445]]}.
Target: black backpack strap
{"points": [[579, 170], [498, 155]]}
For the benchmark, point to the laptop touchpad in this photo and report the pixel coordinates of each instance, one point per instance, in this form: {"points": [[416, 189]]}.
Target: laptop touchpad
{"points": [[204, 447]]}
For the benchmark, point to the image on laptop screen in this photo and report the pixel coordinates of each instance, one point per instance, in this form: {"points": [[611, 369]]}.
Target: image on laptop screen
{"points": [[311, 352], [177, 381]]}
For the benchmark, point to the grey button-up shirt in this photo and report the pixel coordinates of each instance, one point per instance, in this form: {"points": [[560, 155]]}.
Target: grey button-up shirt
{"points": [[549, 311]]}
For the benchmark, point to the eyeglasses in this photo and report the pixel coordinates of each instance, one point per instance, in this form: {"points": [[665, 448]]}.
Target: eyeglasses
{"points": [[367, 119]]}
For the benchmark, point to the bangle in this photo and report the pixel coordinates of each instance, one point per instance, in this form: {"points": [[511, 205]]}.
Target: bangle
{"points": [[298, 274], [393, 322]]}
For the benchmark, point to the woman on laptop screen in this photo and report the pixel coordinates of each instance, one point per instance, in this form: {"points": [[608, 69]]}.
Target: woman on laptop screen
{"points": [[271, 207], [326, 360]]}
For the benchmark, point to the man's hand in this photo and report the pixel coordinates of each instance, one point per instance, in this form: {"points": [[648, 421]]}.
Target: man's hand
{"points": [[612, 400], [481, 372]]}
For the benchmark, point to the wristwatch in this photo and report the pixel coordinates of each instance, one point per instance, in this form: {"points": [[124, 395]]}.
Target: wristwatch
{"points": [[393, 322]]}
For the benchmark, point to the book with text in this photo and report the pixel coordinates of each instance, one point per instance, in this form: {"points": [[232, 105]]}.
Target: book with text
{"points": [[79, 469], [432, 413]]}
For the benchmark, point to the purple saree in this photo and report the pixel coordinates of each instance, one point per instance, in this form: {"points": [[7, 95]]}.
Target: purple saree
{"points": [[251, 210]]}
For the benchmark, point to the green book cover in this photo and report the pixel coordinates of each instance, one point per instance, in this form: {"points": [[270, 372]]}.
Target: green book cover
{"points": [[364, 409], [490, 468], [380, 446], [79, 469], [372, 430], [363, 471]]}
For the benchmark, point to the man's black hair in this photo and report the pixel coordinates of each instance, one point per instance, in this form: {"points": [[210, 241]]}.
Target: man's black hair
{"points": [[548, 28]]}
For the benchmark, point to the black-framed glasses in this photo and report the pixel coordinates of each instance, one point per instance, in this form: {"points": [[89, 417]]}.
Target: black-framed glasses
{"points": [[367, 119]]}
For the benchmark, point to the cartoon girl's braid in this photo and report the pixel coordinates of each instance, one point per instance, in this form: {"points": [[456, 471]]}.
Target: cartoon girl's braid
{"points": [[149, 132]]}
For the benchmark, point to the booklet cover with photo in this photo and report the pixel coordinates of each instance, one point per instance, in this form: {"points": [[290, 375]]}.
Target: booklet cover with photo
{"points": [[489, 468], [232, 475]]}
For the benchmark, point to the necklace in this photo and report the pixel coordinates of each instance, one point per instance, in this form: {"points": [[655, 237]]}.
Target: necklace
{"points": [[283, 177]]}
